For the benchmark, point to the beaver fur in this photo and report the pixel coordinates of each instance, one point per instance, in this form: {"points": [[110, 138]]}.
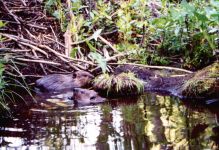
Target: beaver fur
{"points": [[61, 82]]}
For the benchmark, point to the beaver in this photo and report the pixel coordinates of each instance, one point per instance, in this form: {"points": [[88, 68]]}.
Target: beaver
{"points": [[62, 82], [85, 96], [77, 96]]}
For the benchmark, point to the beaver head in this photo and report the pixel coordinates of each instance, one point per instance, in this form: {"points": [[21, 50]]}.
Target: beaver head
{"points": [[82, 78], [85, 96]]}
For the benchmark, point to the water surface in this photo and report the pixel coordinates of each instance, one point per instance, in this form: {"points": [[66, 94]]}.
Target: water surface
{"points": [[148, 122]]}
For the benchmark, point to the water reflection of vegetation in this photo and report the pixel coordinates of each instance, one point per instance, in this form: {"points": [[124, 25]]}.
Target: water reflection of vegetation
{"points": [[172, 125], [154, 122]]}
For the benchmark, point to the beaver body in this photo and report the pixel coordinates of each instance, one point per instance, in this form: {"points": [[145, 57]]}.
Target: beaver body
{"points": [[62, 82], [68, 87], [78, 96]]}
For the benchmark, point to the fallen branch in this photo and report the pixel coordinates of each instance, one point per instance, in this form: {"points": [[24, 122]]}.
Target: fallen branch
{"points": [[153, 67], [16, 38], [38, 61], [35, 48]]}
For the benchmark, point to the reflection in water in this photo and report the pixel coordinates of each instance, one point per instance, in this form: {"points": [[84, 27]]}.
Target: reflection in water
{"points": [[151, 122]]}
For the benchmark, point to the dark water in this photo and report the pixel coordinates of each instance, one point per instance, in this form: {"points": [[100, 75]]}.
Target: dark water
{"points": [[149, 122]]}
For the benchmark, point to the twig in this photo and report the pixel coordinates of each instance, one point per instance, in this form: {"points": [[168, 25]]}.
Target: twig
{"points": [[68, 41], [15, 17], [41, 65], [35, 54], [110, 32], [24, 3], [120, 55], [11, 74], [68, 34], [108, 43], [143, 37], [35, 48], [16, 38], [56, 39], [38, 61], [28, 24], [153, 67]]}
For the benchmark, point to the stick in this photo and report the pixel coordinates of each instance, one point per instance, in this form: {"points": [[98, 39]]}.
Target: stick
{"points": [[38, 61], [28, 24], [35, 48], [153, 67], [41, 65], [16, 38], [56, 39], [120, 55], [108, 43], [68, 40], [15, 17]]}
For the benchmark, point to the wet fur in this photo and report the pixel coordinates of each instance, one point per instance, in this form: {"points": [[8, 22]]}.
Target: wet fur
{"points": [[61, 82]]}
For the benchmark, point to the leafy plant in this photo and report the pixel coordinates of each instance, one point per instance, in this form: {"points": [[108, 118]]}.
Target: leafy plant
{"points": [[100, 60], [187, 30]]}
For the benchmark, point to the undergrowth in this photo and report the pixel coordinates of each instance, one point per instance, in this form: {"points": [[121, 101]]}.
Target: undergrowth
{"points": [[162, 33]]}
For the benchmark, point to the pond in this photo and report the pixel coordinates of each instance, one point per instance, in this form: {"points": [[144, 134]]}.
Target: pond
{"points": [[150, 121]]}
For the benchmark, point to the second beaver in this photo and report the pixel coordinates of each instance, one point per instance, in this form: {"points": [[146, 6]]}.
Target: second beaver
{"points": [[61, 82], [78, 96]]}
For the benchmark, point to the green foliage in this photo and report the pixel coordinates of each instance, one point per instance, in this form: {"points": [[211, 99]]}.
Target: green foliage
{"points": [[186, 29], [189, 29], [100, 60], [56, 9], [2, 87], [2, 24]]}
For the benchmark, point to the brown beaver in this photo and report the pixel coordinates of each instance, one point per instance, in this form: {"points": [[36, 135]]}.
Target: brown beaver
{"points": [[85, 96], [62, 82], [79, 97]]}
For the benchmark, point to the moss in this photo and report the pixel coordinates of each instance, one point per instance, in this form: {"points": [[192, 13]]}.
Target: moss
{"points": [[121, 84], [204, 83]]}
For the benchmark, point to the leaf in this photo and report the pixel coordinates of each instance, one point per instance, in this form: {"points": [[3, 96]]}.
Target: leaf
{"points": [[100, 60], [201, 17], [74, 52], [2, 24], [57, 14], [92, 48], [177, 30], [215, 3], [160, 22], [96, 34], [49, 3], [187, 7]]}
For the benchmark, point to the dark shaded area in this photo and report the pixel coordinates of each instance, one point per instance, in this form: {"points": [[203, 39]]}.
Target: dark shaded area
{"points": [[202, 84]]}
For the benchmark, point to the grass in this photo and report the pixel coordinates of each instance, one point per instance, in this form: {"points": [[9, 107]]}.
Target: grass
{"points": [[121, 84], [11, 85]]}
